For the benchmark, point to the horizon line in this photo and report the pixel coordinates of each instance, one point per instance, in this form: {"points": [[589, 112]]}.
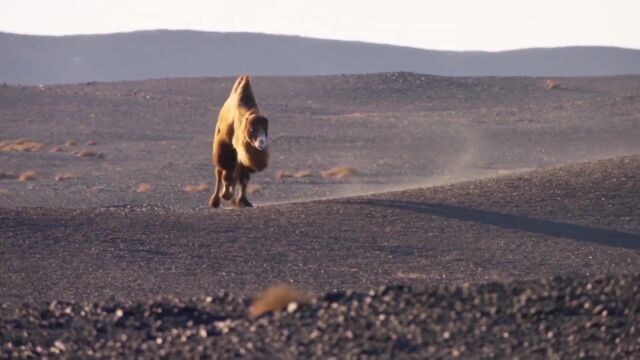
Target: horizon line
{"points": [[313, 38]]}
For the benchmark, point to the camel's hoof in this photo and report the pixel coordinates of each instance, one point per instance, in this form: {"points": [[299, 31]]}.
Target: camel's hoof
{"points": [[227, 194], [242, 203], [214, 201]]}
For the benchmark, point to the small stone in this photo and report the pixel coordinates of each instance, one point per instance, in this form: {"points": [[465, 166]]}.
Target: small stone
{"points": [[292, 307], [59, 345]]}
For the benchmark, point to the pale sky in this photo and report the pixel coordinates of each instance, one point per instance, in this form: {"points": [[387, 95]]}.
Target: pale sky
{"points": [[444, 24]]}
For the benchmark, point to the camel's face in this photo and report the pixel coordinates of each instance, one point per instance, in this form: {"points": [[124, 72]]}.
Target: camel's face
{"points": [[257, 129]]}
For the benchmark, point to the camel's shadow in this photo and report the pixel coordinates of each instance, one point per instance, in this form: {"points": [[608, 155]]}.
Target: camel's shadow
{"points": [[515, 222]]}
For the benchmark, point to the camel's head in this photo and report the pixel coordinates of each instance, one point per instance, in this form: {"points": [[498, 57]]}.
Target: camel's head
{"points": [[257, 129]]}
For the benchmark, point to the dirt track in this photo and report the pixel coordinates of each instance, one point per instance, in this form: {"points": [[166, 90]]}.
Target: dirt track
{"points": [[578, 219]]}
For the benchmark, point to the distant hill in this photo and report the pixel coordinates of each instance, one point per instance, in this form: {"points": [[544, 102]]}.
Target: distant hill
{"points": [[27, 59]]}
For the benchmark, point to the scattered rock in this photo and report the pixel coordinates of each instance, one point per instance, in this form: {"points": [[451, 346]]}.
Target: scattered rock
{"points": [[521, 319]]}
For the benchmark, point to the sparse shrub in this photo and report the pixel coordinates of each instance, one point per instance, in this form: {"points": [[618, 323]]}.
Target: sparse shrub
{"points": [[27, 175], [63, 176], [203, 186], [410, 275], [275, 298], [254, 188], [552, 84], [281, 174], [340, 172], [88, 153], [302, 174], [143, 187], [20, 145], [7, 175]]}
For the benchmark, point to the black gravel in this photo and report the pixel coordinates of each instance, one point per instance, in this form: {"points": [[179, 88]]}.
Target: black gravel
{"points": [[564, 317]]}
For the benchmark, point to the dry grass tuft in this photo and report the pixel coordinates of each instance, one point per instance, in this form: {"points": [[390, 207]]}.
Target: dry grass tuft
{"points": [[70, 142], [276, 298], [203, 186], [281, 174], [143, 187], [552, 84], [340, 172], [91, 143], [56, 149], [64, 176], [88, 153], [302, 174], [27, 175], [254, 188], [7, 175], [410, 275], [505, 172], [4, 191], [20, 145]]}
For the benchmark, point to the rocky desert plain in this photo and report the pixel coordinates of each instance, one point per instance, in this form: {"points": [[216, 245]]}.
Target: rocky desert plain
{"points": [[403, 215]]}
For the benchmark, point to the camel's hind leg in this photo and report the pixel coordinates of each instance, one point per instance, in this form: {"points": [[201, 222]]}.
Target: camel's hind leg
{"points": [[244, 174], [214, 200]]}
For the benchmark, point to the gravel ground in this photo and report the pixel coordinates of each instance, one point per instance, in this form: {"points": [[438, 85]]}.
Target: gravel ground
{"points": [[580, 219], [399, 130], [571, 317], [80, 232]]}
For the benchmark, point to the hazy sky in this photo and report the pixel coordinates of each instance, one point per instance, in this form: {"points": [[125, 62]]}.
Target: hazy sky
{"points": [[443, 24]]}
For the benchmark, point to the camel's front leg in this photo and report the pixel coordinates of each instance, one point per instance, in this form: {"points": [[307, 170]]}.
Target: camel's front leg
{"points": [[214, 200], [244, 174]]}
